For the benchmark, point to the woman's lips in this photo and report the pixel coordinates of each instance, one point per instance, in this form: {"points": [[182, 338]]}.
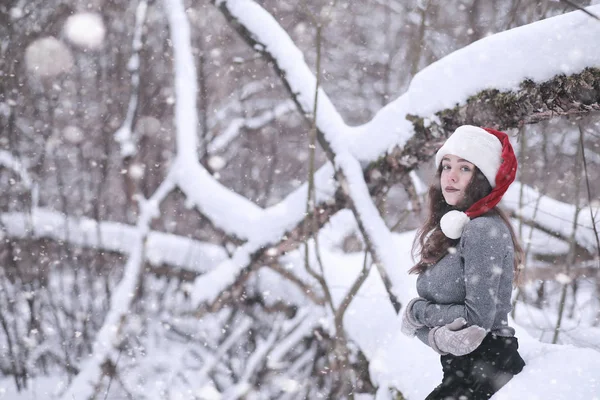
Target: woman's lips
{"points": [[451, 189]]}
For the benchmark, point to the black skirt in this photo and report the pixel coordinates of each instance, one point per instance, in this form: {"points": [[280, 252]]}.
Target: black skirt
{"points": [[480, 374]]}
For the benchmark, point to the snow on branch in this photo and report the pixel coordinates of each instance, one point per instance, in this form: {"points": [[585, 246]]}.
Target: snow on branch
{"points": [[240, 329], [552, 215], [256, 360], [124, 135], [263, 32], [8, 161], [235, 126], [228, 211], [161, 248], [443, 85], [500, 67], [186, 85], [376, 233], [293, 331], [236, 215]]}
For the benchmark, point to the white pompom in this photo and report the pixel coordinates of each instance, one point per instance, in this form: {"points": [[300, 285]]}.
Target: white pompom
{"points": [[453, 223]]}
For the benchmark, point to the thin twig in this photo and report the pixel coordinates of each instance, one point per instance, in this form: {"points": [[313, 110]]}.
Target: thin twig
{"points": [[572, 250], [589, 192], [578, 7], [310, 197], [360, 279], [115, 371], [306, 288]]}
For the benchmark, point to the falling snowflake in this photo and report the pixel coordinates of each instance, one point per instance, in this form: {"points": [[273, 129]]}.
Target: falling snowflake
{"points": [[136, 171], [48, 57], [216, 163], [73, 134], [85, 30]]}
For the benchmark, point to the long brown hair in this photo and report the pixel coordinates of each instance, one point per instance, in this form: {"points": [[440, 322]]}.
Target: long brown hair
{"points": [[430, 243]]}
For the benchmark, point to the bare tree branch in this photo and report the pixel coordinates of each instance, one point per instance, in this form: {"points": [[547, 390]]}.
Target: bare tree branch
{"points": [[589, 192], [578, 7]]}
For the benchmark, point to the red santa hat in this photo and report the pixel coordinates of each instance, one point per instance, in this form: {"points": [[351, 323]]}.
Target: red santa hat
{"points": [[491, 152]]}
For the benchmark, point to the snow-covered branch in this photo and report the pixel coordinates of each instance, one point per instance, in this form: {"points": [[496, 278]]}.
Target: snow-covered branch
{"points": [[241, 329], [265, 34], [235, 126], [8, 161], [293, 331], [124, 135], [552, 215], [262, 31], [161, 248], [228, 211], [504, 90], [254, 363], [434, 90]]}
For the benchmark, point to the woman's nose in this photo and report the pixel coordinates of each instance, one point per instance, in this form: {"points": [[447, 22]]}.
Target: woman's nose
{"points": [[452, 176]]}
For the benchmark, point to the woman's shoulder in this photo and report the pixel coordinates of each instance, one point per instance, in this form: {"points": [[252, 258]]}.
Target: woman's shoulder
{"points": [[487, 237], [488, 225]]}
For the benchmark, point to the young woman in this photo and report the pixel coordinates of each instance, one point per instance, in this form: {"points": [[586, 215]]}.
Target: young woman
{"points": [[468, 257]]}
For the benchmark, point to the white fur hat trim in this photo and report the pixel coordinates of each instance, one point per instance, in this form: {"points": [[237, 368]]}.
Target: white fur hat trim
{"points": [[453, 223], [477, 146]]}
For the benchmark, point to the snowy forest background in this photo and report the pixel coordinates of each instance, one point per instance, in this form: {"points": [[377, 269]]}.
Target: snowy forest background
{"points": [[178, 222]]}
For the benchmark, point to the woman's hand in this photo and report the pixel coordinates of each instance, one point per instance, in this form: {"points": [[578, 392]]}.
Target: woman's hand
{"points": [[455, 339], [409, 323]]}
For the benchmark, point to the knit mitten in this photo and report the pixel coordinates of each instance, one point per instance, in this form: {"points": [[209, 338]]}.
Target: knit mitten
{"points": [[455, 339]]}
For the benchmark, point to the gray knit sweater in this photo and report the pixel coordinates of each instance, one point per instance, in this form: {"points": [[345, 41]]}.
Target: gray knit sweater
{"points": [[475, 282]]}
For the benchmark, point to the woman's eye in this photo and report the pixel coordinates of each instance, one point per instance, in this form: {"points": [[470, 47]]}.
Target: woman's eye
{"points": [[466, 169], [445, 167]]}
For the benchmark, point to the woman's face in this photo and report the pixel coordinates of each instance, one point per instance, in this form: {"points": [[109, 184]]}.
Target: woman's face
{"points": [[455, 177]]}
